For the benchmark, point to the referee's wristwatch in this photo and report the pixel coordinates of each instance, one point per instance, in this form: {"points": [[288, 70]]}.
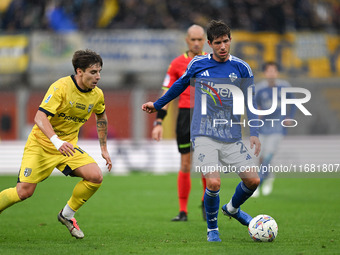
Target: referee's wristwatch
{"points": [[156, 123]]}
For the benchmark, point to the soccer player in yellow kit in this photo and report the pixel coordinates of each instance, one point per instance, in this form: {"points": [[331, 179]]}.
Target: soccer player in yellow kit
{"points": [[52, 143]]}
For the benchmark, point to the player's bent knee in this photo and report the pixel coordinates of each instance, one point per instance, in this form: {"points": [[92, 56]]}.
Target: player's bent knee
{"points": [[252, 183], [91, 173], [95, 177], [24, 195], [257, 181], [214, 184], [25, 191], [99, 178]]}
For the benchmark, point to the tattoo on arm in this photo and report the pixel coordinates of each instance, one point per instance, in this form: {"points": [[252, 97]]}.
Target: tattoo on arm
{"points": [[102, 131]]}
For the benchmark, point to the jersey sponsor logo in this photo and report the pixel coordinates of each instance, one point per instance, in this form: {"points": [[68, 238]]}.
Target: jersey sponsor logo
{"points": [[72, 118], [71, 103], [209, 90], [218, 89], [27, 172], [90, 108], [204, 98], [80, 106], [48, 98]]}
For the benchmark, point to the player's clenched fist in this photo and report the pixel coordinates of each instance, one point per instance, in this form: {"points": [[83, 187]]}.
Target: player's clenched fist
{"points": [[148, 107]]}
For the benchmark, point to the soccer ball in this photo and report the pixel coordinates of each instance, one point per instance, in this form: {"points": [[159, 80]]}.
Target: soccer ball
{"points": [[263, 228]]}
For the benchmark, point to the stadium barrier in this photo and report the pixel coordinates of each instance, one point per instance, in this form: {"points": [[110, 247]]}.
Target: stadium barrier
{"points": [[144, 54], [162, 157]]}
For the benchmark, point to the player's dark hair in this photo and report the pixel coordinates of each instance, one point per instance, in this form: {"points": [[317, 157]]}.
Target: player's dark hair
{"points": [[216, 29], [270, 63], [85, 58]]}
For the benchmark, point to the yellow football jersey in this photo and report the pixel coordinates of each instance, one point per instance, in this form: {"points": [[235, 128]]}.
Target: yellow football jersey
{"points": [[68, 107]]}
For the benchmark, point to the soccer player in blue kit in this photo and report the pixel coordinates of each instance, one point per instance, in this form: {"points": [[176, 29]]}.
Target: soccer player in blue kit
{"points": [[271, 132], [222, 144]]}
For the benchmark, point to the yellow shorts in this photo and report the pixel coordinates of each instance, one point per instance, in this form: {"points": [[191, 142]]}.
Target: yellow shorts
{"points": [[38, 163]]}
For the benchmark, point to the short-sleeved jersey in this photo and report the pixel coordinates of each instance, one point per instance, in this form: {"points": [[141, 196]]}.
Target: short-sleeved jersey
{"points": [[208, 71], [264, 100], [68, 107], [176, 69]]}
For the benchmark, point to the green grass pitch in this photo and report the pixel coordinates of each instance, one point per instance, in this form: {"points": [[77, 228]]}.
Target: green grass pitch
{"points": [[131, 215]]}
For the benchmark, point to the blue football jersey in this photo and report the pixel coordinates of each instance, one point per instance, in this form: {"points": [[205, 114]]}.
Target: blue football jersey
{"points": [[264, 100], [216, 85]]}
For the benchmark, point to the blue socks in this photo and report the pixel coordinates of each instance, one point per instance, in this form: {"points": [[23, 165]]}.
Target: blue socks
{"points": [[212, 204], [242, 193]]}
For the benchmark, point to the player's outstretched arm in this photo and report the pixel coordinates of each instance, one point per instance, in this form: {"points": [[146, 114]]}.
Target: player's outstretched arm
{"points": [[102, 136], [149, 107], [45, 126], [254, 140]]}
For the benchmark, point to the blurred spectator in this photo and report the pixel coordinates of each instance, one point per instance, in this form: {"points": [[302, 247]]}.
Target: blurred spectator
{"points": [[58, 19], [22, 15], [252, 15]]}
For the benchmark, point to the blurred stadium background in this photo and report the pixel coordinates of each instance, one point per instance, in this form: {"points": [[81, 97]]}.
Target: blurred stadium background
{"points": [[137, 40]]}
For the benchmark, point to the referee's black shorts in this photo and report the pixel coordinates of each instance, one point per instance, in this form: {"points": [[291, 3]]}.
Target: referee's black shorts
{"points": [[183, 130]]}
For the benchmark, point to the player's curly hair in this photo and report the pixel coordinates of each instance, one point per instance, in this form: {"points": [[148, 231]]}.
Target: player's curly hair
{"points": [[216, 29], [85, 58]]}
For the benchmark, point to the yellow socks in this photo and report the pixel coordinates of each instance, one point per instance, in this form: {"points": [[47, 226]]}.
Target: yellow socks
{"points": [[81, 193], [8, 197]]}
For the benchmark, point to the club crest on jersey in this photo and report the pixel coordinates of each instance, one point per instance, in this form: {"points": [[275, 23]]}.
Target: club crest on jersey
{"points": [[233, 77], [90, 108], [27, 172]]}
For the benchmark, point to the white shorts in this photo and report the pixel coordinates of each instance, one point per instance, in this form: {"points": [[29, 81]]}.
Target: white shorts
{"points": [[214, 156], [269, 144]]}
